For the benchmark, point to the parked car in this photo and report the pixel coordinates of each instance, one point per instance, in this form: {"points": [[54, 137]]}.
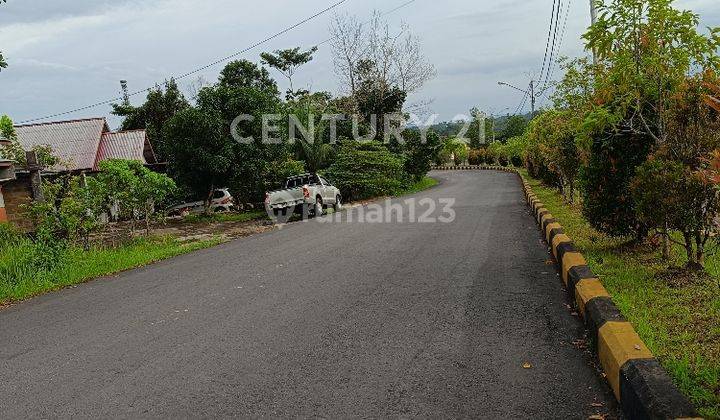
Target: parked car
{"points": [[307, 193], [222, 201]]}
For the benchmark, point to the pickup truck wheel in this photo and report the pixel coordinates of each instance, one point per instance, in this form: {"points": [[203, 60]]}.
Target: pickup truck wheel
{"points": [[338, 203]]}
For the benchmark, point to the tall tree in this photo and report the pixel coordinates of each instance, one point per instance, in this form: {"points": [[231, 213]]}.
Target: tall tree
{"points": [[646, 49], [287, 62], [397, 59], [246, 74], [514, 126], [200, 155], [244, 88], [161, 104]]}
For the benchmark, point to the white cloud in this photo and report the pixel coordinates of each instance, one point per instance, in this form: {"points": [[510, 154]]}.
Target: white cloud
{"points": [[69, 53]]}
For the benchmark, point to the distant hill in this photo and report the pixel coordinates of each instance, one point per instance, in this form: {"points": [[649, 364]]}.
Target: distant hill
{"points": [[452, 128]]}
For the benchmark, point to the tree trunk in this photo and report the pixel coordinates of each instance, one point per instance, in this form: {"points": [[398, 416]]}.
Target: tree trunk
{"points": [[208, 200], [665, 243], [699, 250], [689, 250]]}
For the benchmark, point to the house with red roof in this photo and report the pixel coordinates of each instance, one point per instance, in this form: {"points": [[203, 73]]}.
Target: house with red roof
{"points": [[80, 146]]}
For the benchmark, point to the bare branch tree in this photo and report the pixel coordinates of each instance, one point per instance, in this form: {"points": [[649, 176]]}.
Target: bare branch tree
{"points": [[373, 51], [348, 44]]}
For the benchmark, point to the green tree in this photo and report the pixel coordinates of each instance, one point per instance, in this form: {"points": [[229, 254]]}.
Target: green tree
{"points": [[201, 154], [134, 189], [3, 63], [377, 99], [246, 74], [553, 133], [454, 150], [515, 148], [315, 150], [69, 213], [482, 129], [161, 104], [671, 190], [420, 153], [514, 126], [288, 62], [246, 89], [646, 49]]}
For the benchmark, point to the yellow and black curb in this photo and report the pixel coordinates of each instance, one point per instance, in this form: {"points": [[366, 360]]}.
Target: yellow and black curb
{"points": [[640, 384]]}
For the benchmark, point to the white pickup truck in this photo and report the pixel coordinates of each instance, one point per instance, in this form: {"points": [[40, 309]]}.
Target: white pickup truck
{"points": [[308, 193]]}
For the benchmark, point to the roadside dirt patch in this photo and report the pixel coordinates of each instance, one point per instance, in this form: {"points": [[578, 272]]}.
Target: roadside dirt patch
{"points": [[184, 230]]}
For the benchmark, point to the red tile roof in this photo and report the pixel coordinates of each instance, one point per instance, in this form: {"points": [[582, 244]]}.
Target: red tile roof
{"points": [[82, 144], [121, 145]]}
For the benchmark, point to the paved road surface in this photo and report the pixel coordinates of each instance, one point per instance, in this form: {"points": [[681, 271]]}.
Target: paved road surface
{"points": [[319, 319]]}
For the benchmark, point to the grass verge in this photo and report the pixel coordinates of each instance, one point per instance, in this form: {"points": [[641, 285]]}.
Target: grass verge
{"points": [[421, 185], [678, 317], [28, 269], [22, 274]]}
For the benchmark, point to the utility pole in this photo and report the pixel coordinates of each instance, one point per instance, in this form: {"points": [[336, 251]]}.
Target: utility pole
{"points": [[593, 19], [124, 92], [532, 98], [530, 92]]}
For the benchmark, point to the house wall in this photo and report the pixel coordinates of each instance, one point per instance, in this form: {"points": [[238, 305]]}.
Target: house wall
{"points": [[15, 194]]}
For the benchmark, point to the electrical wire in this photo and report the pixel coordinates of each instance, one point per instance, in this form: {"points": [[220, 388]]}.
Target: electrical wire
{"points": [[562, 39], [389, 12], [552, 50], [547, 42], [522, 102], [197, 70]]}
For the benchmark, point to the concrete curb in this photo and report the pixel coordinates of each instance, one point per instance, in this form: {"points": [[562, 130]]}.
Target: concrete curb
{"points": [[640, 384]]}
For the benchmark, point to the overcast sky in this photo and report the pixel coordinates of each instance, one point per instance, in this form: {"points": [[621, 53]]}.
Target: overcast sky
{"points": [[64, 54]]}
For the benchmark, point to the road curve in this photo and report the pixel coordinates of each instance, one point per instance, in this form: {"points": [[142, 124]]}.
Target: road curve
{"points": [[331, 319]]}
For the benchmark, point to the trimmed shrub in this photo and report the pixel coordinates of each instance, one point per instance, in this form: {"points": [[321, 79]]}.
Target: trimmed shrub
{"points": [[366, 170], [605, 183], [419, 155], [477, 157]]}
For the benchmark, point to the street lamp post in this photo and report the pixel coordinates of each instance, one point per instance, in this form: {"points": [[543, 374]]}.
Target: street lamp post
{"points": [[530, 91]]}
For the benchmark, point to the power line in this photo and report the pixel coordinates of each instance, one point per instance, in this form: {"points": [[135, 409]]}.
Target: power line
{"points": [[547, 43], [199, 69], [560, 44], [389, 12], [522, 103], [552, 50]]}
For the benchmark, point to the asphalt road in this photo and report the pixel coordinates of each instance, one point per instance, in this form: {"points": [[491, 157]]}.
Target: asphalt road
{"points": [[332, 319]]}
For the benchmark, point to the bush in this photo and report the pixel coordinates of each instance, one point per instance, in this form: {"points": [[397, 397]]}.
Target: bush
{"points": [[496, 154], [366, 170], [419, 155], [605, 182], [453, 151], [515, 150], [136, 189], [477, 157], [668, 195]]}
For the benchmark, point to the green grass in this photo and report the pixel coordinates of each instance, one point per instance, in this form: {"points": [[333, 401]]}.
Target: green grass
{"points": [[21, 274], [421, 185], [21, 261], [680, 323]]}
